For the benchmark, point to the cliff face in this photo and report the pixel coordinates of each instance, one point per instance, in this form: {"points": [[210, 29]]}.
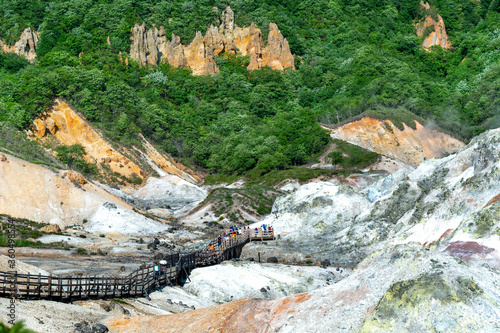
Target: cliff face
{"points": [[25, 46], [408, 146], [152, 47], [69, 128], [438, 35]]}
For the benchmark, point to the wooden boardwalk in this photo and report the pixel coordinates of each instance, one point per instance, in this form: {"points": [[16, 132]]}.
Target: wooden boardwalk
{"points": [[139, 283]]}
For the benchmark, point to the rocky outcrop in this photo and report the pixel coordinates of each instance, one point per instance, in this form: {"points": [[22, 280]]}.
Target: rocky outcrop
{"points": [[75, 177], [152, 47], [410, 146], [440, 201], [438, 34], [69, 128], [25, 47], [170, 195], [51, 228]]}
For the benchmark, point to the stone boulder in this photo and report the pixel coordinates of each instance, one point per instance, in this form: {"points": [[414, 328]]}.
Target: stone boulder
{"points": [[51, 228], [75, 177]]}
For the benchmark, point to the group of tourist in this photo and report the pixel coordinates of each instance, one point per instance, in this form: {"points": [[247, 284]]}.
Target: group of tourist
{"points": [[224, 240], [160, 269], [231, 234]]}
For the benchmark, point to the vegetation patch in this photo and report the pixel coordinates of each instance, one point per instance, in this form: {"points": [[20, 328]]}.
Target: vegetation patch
{"points": [[234, 204], [26, 233], [16, 143], [73, 157], [351, 156], [239, 120], [302, 175]]}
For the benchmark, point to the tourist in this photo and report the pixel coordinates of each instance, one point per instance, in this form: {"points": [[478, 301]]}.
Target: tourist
{"points": [[156, 269]]}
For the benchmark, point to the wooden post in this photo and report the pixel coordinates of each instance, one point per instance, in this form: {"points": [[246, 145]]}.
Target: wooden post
{"points": [[50, 286], [96, 283], [39, 284], [136, 282], [70, 286], [28, 287]]}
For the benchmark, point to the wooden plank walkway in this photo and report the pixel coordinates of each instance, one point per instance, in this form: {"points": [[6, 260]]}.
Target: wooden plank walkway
{"points": [[139, 283]]}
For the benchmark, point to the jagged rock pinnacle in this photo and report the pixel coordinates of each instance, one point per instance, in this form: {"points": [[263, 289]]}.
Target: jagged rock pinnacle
{"points": [[151, 47]]}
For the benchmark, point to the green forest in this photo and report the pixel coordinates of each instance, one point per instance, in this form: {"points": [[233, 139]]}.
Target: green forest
{"points": [[352, 57]]}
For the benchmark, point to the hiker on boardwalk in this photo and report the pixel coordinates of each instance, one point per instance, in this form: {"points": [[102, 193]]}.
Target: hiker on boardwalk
{"points": [[163, 268], [156, 269]]}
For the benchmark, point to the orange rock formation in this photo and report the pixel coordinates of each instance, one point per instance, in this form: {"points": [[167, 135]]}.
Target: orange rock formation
{"points": [[438, 35], [25, 46], [409, 146], [152, 47], [69, 129], [242, 316]]}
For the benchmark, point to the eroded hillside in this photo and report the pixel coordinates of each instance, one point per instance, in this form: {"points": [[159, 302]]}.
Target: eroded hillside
{"points": [[409, 145], [69, 128], [37, 193]]}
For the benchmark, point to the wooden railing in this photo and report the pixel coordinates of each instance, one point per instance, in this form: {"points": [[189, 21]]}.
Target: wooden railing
{"points": [[253, 235], [138, 283]]}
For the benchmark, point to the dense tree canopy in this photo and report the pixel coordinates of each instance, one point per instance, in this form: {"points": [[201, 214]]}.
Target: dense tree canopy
{"points": [[352, 56]]}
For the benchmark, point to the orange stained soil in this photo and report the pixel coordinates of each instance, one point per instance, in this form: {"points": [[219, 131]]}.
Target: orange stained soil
{"points": [[409, 145]]}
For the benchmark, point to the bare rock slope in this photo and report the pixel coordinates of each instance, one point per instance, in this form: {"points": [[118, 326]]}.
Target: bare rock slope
{"points": [[437, 36], [410, 146], [69, 128], [153, 46]]}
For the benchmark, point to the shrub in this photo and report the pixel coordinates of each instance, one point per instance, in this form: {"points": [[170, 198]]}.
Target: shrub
{"points": [[355, 156], [81, 250], [73, 157]]}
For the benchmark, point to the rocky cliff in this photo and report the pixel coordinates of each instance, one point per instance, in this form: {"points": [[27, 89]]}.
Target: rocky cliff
{"points": [[69, 128], [25, 47], [152, 46], [410, 146], [437, 35]]}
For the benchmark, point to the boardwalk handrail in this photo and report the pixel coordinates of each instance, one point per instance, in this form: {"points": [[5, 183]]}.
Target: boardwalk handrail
{"points": [[138, 283]]}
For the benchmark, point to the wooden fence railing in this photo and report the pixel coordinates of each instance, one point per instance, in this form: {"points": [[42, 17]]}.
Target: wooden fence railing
{"points": [[139, 283]]}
